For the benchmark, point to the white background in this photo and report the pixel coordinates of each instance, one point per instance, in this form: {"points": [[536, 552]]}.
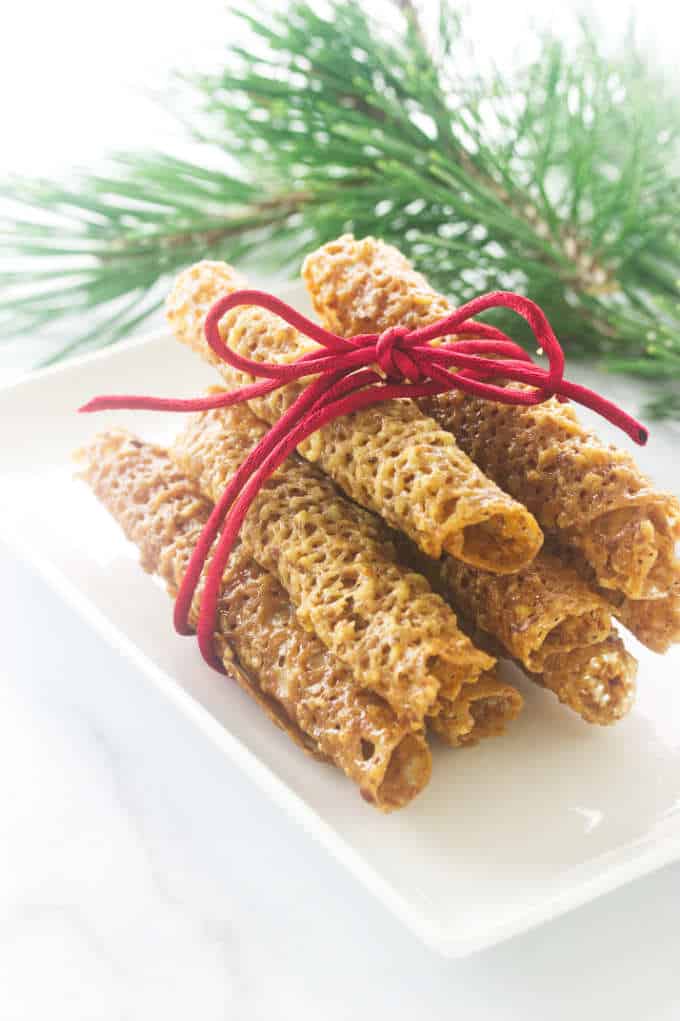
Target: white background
{"points": [[140, 876], [73, 74]]}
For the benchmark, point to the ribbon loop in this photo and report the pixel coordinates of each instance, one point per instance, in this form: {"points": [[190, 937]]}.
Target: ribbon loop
{"points": [[346, 381]]}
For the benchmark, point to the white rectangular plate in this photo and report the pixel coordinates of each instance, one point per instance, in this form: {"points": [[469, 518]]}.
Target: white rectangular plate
{"points": [[508, 834]]}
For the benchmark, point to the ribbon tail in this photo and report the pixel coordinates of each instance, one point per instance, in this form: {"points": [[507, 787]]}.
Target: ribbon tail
{"points": [[607, 409], [135, 402]]}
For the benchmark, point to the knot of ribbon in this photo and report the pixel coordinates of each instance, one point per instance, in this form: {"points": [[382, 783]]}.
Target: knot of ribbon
{"points": [[392, 356], [351, 373]]}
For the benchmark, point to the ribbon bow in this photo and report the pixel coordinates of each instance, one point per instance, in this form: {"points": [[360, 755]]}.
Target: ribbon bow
{"points": [[347, 380]]}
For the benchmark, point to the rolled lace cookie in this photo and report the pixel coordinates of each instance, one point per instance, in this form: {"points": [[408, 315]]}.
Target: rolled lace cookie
{"points": [[654, 622], [544, 609], [337, 563], [597, 681], [589, 495], [481, 710], [301, 686], [392, 458], [548, 621]]}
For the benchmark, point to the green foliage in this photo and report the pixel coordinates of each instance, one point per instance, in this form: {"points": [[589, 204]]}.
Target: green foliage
{"points": [[560, 181]]}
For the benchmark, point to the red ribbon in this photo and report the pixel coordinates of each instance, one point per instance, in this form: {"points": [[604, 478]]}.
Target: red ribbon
{"points": [[346, 381]]}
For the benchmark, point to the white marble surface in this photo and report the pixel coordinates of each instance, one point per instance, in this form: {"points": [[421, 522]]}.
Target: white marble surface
{"points": [[142, 876]]}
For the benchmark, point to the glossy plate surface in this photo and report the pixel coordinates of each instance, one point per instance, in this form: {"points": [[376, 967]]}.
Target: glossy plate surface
{"points": [[508, 835]]}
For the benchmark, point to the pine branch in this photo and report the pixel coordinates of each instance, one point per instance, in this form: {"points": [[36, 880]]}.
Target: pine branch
{"points": [[561, 182], [119, 237]]}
